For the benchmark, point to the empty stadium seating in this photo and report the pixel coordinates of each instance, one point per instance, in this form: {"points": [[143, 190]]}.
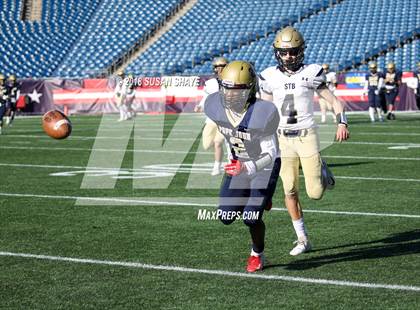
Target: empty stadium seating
{"points": [[215, 26], [35, 49], [344, 35], [84, 38], [115, 27], [405, 58]]}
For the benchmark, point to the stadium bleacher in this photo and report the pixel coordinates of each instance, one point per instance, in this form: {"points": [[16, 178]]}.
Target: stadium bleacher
{"points": [[343, 35], [83, 39], [35, 49], [215, 26], [114, 28]]}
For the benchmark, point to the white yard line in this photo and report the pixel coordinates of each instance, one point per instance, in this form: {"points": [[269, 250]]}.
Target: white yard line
{"points": [[87, 149], [178, 202], [213, 272], [386, 134], [73, 137], [174, 170]]}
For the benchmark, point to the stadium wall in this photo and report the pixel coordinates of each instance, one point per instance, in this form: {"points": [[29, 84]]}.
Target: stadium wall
{"points": [[156, 95]]}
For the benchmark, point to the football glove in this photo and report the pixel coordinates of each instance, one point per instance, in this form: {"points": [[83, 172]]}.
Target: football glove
{"points": [[234, 168]]}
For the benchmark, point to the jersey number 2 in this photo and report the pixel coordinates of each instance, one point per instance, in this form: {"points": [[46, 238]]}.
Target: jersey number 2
{"points": [[238, 146], [288, 109]]}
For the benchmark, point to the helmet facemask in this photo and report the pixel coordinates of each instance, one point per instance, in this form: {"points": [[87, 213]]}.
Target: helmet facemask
{"points": [[295, 60], [237, 97], [218, 69], [238, 86]]}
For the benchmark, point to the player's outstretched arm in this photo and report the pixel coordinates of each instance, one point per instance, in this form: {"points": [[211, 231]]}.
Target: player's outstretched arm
{"points": [[342, 133]]}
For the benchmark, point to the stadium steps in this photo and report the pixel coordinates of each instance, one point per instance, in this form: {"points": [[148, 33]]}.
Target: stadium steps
{"points": [[141, 46], [32, 10]]}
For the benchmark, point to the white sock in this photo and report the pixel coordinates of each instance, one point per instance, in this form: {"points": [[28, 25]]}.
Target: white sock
{"points": [[253, 253], [372, 114], [379, 111], [300, 230], [217, 165], [323, 118]]}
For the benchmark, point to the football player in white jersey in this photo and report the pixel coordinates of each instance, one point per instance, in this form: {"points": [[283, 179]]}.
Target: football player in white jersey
{"points": [[211, 135], [119, 95], [291, 86], [331, 82]]}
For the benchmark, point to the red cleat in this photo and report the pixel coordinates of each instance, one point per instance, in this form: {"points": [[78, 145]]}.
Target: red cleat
{"points": [[268, 206], [255, 263]]}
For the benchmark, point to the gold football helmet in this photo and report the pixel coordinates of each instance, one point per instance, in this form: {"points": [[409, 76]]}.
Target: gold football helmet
{"points": [[373, 67], [12, 78], [218, 64], [290, 42], [326, 67], [238, 85], [390, 67], [2, 79]]}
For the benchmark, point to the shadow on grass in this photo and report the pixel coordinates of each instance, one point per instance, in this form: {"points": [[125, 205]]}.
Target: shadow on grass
{"points": [[348, 164], [405, 243]]}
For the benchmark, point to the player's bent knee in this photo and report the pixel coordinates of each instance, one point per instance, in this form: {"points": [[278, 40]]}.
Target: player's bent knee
{"points": [[315, 192], [251, 222], [227, 215], [207, 144], [226, 221]]}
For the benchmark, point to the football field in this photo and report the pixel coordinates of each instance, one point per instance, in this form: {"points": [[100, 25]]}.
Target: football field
{"points": [[84, 225]]}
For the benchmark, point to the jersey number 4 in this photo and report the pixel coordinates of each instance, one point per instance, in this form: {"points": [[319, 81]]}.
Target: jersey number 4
{"points": [[288, 109]]}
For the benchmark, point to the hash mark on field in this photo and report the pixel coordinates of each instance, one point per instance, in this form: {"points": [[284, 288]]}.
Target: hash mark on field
{"points": [[178, 202], [214, 272]]}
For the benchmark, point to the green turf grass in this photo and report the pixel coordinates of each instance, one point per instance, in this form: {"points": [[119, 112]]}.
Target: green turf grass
{"points": [[357, 248]]}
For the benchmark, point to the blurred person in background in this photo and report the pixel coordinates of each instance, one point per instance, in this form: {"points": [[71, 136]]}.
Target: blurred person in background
{"points": [[130, 93], [392, 82], [3, 100], [13, 91], [119, 95], [331, 82], [374, 81], [417, 90], [211, 135]]}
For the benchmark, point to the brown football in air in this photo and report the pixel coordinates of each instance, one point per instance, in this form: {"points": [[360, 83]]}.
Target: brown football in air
{"points": [[56, 124]]}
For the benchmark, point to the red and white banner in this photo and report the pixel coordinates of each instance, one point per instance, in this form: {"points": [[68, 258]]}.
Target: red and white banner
{"points": [[154, 96]]}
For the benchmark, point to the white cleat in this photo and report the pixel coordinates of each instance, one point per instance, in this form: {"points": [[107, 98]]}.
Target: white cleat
{"points": [[302, 246], [215, 171]]}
